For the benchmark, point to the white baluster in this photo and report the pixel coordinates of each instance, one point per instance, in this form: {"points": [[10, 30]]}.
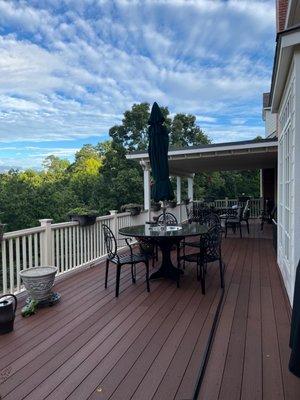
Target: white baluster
{"points": [[18, 263], [62, 259], [30, 263], [11, 265], [4, 267], [66, 249], [24, 252]]}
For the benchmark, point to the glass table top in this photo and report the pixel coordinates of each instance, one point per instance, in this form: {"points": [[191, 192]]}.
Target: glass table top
{"points": [[180, 230]]}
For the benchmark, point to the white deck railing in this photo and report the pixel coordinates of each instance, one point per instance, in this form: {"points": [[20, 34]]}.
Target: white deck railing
{"points": [[69, 246], [65, 245], [255, 205]]}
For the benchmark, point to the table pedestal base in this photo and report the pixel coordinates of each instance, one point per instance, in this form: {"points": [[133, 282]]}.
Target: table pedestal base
{"points": [[167, 269]]}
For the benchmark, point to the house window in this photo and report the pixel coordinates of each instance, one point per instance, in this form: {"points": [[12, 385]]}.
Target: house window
{"points": [[285, 176]]}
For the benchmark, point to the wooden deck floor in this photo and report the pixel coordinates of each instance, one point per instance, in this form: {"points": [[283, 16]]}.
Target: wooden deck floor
{"points": [[149, 346]]}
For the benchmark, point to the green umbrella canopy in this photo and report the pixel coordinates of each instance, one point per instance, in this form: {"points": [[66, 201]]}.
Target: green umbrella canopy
{"points": [[158, 154]]}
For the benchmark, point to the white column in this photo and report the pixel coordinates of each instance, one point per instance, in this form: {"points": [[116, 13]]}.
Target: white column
{"points": [[178, 189], [261, 183], [147, 188], [191, 189], [147, 194], [46, 243]]}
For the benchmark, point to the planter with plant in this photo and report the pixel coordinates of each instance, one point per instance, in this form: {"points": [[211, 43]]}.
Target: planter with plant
{"points": [[172, 204], [155, 206], [134, 209], [83, 215], [186, 201], [38, 282]]}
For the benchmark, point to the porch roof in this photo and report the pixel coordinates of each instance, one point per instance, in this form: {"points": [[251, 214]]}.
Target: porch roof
{"points": [[241, 155]]}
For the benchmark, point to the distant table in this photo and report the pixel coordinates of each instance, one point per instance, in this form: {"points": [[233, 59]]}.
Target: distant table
{"points": [[165, 239]]}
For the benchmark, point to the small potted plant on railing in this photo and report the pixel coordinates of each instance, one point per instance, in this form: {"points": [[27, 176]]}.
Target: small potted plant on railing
{"points": [[134, 209], [186, 201], [83, 215], [172, 203], [155, 206]]}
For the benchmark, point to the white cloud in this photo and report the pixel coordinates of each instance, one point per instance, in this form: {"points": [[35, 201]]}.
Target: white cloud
{"points": [[69, 69]]}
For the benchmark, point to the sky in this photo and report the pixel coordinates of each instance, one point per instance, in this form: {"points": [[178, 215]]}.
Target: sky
{"points": [[70, 68]]}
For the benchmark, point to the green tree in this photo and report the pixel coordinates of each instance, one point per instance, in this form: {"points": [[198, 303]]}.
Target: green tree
{"points": [[103, 179], [55, 164], [120, 181], [185, 132]]}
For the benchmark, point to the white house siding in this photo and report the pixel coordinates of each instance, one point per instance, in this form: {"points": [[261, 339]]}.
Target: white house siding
{"points": [[270, 123], [289, 177]]}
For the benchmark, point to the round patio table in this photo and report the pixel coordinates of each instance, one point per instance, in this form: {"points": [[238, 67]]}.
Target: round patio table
{"points": [[165, 238]]}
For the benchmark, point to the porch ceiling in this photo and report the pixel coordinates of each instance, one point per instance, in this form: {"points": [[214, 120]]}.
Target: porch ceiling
{"points": [[219, 157]]}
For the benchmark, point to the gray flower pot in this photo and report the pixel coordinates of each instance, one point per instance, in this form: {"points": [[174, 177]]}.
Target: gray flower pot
{"points": [[38, 282]]}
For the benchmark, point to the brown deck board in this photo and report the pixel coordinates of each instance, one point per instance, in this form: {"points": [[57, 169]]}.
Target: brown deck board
{"points": [[213, 378], [150, 346], [252, 371], [233, 370]]}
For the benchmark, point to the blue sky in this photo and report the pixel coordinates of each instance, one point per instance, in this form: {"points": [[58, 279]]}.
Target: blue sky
{"points": [[70, 68]]}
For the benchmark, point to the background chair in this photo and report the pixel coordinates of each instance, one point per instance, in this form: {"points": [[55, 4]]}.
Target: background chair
{"points": [[210, 220], [122, 259], [235, 222], [268, 213], [167, 218]]}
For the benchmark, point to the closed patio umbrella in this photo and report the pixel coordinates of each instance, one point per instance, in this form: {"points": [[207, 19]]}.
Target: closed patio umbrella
{"points": [[158, 154], [294, 364]]}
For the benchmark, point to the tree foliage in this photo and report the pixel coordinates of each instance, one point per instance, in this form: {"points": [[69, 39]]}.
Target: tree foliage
{"points": [[101, 177]]}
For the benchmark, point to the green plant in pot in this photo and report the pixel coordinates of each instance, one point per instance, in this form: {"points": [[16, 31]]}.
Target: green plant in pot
{"points": [[84, 215], [172, 204], [155, 206], [134, 209]]}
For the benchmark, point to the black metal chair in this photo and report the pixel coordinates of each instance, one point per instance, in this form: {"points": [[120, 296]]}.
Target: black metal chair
{"points": [[197, 213], [268, 214], [210, 220], [122, 259], [149, 248], [167, 218], [209, 251], [235, 222]]}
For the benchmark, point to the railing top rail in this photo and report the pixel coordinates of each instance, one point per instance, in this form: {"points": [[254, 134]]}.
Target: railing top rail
{"points": [[123, 214], [104, 217], [64, 224], [68, 224], [23, 232]]}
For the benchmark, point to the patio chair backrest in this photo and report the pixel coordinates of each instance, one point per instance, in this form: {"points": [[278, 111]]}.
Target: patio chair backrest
{"points": [[199, 212], [211, 242], [168, 218], [110, 242], [246, 211], [211, 220]]}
